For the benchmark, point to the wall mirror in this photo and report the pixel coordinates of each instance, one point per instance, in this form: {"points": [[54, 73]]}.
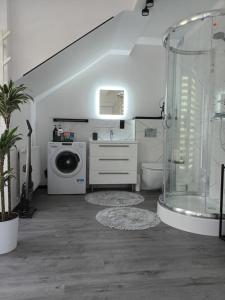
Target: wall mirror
{"points": [[111, 102]]}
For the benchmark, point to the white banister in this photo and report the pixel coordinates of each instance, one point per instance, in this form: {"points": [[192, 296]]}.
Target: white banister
{"points": [[4, 59]]}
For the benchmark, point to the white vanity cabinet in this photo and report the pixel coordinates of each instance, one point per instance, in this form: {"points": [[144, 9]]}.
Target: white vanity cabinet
{"points": [[113, 162]]}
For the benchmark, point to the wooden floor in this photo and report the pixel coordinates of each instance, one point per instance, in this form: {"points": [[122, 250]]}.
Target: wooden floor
{"points": [[63, 253]]}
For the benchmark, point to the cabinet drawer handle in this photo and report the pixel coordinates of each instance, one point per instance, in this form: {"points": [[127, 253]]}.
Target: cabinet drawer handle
{"points": [[114, 159], [114, 146], [113, 173]]}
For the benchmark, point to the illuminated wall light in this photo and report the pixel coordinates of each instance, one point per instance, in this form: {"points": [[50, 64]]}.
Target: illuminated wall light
{"points": [[190, 166], [183, 110], [97, 102]]}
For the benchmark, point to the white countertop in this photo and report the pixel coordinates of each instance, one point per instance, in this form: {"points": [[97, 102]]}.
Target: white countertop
{"points": [[113, 142]]}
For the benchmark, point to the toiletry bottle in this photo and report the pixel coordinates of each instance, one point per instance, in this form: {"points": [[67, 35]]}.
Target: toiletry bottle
{"points": [[55, 133], [60, 133]]}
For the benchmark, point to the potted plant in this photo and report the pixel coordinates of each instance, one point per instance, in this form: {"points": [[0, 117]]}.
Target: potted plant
{"points": [[8, 220], [11, 97]]}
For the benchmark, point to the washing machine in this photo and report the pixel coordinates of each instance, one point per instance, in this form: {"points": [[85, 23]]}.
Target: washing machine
{"points": [[66, 168]]}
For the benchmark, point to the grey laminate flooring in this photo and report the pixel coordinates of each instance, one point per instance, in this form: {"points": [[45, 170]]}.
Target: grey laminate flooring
{"points": [[63, 253]]}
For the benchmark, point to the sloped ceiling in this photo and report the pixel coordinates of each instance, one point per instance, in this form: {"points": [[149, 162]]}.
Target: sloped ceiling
{"points": [[117, 37], [41, 28], [167, 12]]}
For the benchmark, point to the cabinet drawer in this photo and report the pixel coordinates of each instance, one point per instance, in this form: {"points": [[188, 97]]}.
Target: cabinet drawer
{"points": [[113, 164], [113, 177], [113, 150]]}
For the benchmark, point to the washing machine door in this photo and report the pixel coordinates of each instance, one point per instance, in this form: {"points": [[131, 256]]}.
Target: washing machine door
{"points": [[66, 162]]}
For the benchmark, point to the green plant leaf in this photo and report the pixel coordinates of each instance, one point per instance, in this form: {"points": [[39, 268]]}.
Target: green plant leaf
{"points": [[7, 140], [11, 98]]}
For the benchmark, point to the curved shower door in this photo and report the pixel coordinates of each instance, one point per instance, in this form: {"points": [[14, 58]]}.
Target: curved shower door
{"points": [[186, 139]]}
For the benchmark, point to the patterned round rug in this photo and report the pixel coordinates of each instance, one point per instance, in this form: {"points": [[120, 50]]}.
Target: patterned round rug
{"points": [[127, 218], [114, 198]]}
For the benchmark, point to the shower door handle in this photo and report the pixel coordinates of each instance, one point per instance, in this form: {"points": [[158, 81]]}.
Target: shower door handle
{"points": [[177, 162]]}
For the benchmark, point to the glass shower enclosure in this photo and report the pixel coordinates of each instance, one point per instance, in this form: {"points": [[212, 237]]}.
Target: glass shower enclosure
{"points": [[194, 122]]}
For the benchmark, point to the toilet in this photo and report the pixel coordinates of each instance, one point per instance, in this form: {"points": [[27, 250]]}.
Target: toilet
{"points": [[152, 176]]}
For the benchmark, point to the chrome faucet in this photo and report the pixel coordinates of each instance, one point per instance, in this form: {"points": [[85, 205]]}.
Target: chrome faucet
{"points": [[111, 134]]}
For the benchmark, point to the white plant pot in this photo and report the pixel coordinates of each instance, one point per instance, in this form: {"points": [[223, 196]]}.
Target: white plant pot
{"points": [[8, 235]]}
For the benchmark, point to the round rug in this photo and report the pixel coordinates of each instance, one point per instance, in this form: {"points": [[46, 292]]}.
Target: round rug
{"points": [[127, 218], [114, 198]]}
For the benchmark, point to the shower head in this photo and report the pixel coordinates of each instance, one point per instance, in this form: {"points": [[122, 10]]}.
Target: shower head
{"points": [[219, 36]]}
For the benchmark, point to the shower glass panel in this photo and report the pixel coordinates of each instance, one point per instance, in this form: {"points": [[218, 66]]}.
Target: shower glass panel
{"points": [[194, 145]]}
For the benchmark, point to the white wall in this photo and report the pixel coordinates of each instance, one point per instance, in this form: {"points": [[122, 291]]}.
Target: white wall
{"points": [[39, 29], [42, 28], [150, 149], [19, 120], [141, 74], [3, 45], [3, 27]]}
